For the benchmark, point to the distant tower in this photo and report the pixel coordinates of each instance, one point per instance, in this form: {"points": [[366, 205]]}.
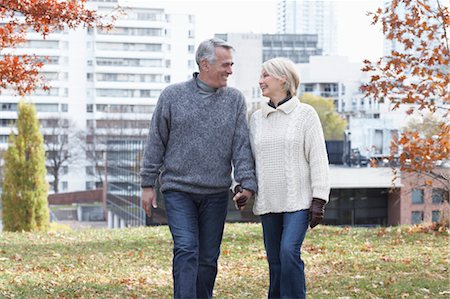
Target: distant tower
{"points": [[310, 17]]}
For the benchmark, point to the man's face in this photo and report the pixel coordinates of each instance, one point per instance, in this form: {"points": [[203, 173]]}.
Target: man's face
{"points": [[216, 74]]}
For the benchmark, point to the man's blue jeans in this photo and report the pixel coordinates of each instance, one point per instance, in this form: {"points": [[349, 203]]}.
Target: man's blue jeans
{"points": [[283, 237], [196, 222]]}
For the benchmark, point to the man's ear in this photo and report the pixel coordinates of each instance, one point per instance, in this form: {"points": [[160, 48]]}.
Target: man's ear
{"points": [[204, 65]]}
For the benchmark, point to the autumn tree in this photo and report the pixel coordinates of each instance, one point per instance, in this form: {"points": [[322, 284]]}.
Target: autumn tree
{"points": [[21, 73], [61, 145], [415, 76], [332, 123], [24, 192]]}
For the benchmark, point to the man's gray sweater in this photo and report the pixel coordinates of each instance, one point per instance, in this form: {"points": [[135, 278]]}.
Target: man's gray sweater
{"points": [[194, 139]]}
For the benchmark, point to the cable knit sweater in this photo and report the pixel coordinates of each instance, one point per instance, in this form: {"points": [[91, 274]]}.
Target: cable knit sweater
{"points": [[290, 156]]}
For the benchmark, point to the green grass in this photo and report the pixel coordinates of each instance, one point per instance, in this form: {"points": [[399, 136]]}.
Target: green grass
{"points": [[136, 263]]}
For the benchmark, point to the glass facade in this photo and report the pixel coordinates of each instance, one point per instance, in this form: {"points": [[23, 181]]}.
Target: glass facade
{"points": [[357, 207]]}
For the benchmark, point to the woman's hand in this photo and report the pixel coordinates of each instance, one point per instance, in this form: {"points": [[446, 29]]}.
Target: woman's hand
{"points": [[316, 212]]}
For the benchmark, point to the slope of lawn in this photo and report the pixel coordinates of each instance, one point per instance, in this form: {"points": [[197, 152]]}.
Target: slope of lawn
{"points": [[136, 263]]}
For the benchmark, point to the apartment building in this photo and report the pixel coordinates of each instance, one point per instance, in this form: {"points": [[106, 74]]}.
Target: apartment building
{"points": [[104, 84]]}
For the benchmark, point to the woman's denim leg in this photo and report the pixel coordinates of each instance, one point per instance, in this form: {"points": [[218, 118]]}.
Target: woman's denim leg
{"points": [[272, 229], [283, 237], [293, 283]]}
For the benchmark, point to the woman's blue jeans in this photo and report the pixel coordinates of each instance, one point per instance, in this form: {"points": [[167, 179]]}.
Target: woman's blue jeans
{"points": [[283, 237], [196, 222]]}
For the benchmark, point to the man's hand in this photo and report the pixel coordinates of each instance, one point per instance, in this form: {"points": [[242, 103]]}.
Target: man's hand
{"points": [[316, 211], [148, 200], [241, 196]]}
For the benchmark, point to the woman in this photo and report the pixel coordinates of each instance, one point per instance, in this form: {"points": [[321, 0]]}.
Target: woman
{"points": [[292, 172]]}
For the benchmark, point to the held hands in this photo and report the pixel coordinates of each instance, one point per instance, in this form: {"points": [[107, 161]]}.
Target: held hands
{"points": [[148, 200], [241, 196], [316, 211]]}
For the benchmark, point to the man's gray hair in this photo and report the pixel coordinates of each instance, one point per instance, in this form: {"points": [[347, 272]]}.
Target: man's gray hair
{"points": [[206, 49]]}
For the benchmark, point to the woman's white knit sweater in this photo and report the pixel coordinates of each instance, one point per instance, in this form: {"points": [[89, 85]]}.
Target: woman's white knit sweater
{"points": [[290, 156]]}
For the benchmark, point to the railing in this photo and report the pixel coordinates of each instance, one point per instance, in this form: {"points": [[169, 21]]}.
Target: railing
{"points": [[123, 198]]}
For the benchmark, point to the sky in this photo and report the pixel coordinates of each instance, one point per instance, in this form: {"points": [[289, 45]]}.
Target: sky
{"points": [[357, 38]]}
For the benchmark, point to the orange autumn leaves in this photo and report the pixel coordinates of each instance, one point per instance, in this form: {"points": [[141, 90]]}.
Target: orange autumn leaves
{"points": [[21, 72], [416, 76]]}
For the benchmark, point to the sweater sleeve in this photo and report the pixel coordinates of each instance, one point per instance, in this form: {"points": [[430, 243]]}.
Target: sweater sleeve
{"points": [[316, 154], [243, 162], [156, 143]]}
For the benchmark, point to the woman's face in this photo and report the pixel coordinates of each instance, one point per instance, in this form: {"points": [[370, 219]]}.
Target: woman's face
{"points": [[270, 86]]}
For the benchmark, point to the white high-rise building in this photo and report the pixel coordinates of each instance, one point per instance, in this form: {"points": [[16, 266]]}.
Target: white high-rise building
{"points": [[310, 17], [105, 83]]}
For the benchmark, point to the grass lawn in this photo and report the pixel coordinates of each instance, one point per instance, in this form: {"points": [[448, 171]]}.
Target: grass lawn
{"points": [[136, 263]]}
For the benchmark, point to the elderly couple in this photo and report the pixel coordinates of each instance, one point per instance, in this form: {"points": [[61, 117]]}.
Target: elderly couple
{"points": [[199, 136]]}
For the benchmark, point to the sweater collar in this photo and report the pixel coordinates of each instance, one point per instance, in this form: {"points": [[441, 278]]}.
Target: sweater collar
{"points": [[287, 107], [194, 84], [204, 88]]}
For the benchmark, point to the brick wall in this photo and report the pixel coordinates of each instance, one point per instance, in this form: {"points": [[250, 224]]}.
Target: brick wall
{"points": [[89, 196], [411, 181]]}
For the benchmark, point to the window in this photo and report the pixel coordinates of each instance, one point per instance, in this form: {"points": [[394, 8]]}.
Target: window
{"points": [[64, 107], [308, 87], [3, 138], [417, 196], [47, 107], [41, 44], [416, 217], [129, 62], [90, 170], [129, 47], [7, 122], [65, 186], [65, 169], [102, 108], [438, 195], [8, 107], [435, 216], [89, 108], [89, 185]]}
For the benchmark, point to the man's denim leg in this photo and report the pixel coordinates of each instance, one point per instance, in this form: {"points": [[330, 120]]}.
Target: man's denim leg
{"points": [[272, 230], [295, 225], [212, 214], [182, 216]]}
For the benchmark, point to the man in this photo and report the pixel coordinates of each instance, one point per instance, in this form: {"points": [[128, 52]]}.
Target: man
{"points": [[198, 131]]}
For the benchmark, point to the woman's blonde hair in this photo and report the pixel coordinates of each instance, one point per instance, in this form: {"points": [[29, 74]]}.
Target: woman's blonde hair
{"points": [[280, 68]]}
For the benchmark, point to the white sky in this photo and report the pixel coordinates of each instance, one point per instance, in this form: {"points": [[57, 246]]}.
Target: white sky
{"points": [[357, 39]]}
